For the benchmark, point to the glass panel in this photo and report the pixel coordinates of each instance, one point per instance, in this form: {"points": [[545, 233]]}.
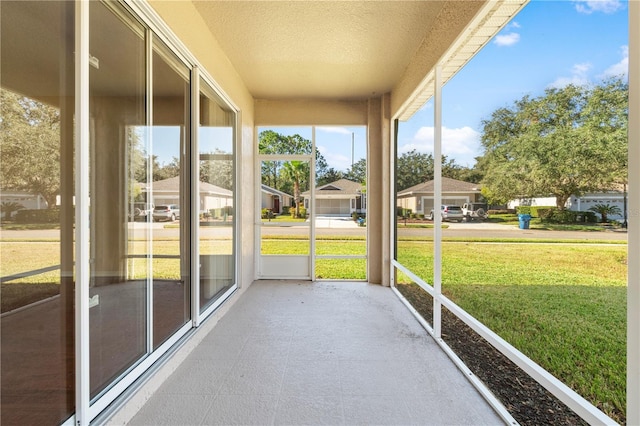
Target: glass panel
{"points": [[118, 326], [170, 195], [36, 195], [414, 202], [284, 208], [340, 202], [217, 189]]}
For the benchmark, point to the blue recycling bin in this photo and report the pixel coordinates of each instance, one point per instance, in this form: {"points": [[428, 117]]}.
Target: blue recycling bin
{"points": [[524, 220]]}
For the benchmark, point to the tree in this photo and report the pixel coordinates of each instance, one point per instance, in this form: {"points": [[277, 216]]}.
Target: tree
{"points": [[296, 172], [217, 170], [568, 141], [273, 143], [415, 167], [331, 175], [8, 207], [30, 146], [605, 210], [358, 171]]}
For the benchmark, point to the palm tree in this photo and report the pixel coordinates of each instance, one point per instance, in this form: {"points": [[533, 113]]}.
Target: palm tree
{"points": [[295, 170], [8, 207], [605, 210]]}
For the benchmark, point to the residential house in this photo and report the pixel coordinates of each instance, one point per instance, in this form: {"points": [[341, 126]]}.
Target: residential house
{"points": [[167, 191], [274, 200], [25, 199], [579, 203], [339, 198], [419, 198]]}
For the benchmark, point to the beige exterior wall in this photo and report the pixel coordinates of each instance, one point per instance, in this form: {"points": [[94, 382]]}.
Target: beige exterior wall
{"points": [[310, 112]]}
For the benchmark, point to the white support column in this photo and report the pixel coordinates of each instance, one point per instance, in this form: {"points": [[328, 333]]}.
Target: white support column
{"points": [[194, 167], [149, 144], [82, 211], [437, 201], [633, 289], [312, 206]]}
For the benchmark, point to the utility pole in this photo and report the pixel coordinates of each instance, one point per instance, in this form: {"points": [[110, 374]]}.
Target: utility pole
{"points": [[352, 139]]}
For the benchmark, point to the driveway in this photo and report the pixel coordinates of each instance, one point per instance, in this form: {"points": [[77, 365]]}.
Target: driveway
{"points": [[335, 222]]}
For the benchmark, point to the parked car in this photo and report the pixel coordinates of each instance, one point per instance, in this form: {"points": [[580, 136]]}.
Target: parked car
{"points": [[449, 212], [472, 211], [141, 211], [166, 212]]}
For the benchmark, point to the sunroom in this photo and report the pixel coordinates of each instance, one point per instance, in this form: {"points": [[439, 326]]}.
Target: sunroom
{"points": [[103, 98]]}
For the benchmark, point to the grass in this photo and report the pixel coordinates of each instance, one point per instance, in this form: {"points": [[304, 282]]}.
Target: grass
{"points": [[536, 223], [12, 226], [561, 302], [564, 306]]}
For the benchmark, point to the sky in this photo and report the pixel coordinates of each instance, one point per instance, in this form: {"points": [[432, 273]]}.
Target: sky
{"points": [[548, 44]]}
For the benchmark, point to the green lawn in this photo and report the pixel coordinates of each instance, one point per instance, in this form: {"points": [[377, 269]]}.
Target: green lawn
{"points": [[563, 304]]}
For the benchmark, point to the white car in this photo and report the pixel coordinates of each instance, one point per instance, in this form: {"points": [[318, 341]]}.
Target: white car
{"points": [[449, 212], [166, 212]]}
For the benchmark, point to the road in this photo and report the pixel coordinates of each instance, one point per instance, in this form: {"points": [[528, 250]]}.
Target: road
{"points": [[454, 230]]}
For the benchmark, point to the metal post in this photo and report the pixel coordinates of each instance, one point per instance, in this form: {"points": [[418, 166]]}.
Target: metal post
{"points": [[633, 280], [437, 201], [82, 212]]}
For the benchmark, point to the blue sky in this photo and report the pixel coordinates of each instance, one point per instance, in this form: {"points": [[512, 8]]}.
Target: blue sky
{"points": [[548, 44]]}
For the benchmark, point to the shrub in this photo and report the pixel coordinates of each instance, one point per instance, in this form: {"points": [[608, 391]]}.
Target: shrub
{"points": [[267, 214], [494, 212], [544, 212], [285, 210], [301, 215], [536, 210], [523, 209], [563, 216], [402, 212], [38, 215]]}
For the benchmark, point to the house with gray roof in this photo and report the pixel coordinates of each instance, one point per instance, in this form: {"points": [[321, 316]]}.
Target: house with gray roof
{"points": [[274, 199], [339, 198], [419, 198], [167, 191]]}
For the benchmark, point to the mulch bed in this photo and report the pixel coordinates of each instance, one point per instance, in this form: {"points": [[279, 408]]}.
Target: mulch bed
{"points": [[526, 400]]}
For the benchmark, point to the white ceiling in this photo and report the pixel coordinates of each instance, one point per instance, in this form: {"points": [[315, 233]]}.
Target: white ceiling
{"points": [[322, 49]]}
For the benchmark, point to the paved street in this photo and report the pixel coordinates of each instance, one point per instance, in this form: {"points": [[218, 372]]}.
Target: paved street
{"points": [[345, 226]]}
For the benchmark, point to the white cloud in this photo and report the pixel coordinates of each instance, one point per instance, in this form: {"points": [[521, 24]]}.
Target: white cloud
{"points": [[513, 24], [578, 76], [462, 144], [621, 68], [334, 159], [604, 6], [339, 130], [507, 39]]}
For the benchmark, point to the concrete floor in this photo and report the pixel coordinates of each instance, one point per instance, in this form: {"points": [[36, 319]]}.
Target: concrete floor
{"points": [[317, 353]]}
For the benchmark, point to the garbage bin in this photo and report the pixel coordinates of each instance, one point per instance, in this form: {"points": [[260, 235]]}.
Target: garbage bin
{"points": [[524, 220]]}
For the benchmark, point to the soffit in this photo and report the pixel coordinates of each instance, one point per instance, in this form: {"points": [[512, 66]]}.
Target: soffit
{"points": [[347, 50], [320, 49]]}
